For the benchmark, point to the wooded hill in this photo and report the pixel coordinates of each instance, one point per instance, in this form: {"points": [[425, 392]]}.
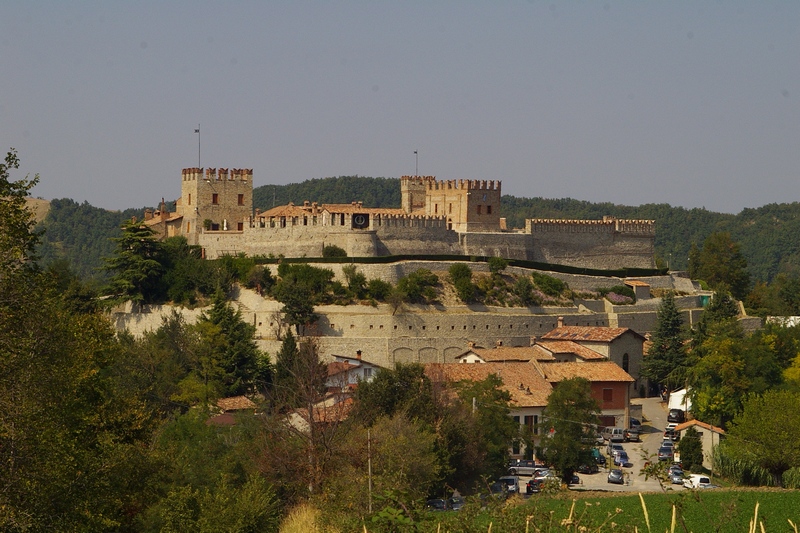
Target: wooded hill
{"points": [[769, 236]]}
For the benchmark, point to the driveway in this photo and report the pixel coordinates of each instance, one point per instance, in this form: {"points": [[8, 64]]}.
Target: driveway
{"points": [[652, 431]]}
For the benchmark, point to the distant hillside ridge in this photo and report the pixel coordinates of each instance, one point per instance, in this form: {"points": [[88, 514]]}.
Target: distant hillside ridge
{"points": [[769, 235]]}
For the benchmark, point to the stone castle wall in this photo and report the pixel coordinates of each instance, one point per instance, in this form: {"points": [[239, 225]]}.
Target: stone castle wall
{"points": [[600, 244]]}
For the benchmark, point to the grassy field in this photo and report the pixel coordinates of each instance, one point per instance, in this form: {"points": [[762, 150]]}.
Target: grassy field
{"points": [[720, 510]]}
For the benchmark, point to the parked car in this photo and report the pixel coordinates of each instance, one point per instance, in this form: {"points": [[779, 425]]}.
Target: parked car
{"points": [[614, 434], [676, 415], [436, 504], [667, 443], [499, 490], [591, 468], [676, 477], [533, 486], [633, 435], [616, 476], [621, 459], [694, 481], [635, 423], [612, 447], [599, 458], [665, 454], [511, 482], [523, 467], [456, 503], [574, 480]]}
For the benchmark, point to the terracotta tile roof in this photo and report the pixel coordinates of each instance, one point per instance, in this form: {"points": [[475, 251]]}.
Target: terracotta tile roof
{"points": [[587, 333], [709, 427], [570, 347], [157, 219], [636, 283], [235, 403], [290, 210], [595, 372], [512, 374], [327, 414], [510, 353], [339, 368]]}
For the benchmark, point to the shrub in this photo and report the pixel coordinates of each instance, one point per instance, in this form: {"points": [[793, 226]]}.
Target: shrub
{"points": [[331, 250], [497, 264], [418, 286], [548, 284], [378, 289]]}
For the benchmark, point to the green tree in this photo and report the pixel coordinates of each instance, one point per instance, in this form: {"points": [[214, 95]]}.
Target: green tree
{"points": [[331, 250], [723, 266], [136, 265], [571, 413], [666, 362], [691, 450], [497, 265], [234, 350], [17, 238], [356, 281], [405, 389], [767, 433], [461, 278], [419, 286]]}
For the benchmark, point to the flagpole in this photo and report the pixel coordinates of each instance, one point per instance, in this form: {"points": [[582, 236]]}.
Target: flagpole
{"points": [[197, 131]]}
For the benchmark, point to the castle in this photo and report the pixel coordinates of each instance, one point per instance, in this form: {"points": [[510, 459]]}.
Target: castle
{"points": [[452, 217]]}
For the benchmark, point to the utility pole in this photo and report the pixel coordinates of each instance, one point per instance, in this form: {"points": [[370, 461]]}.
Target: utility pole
{"points": [[197, 131]]}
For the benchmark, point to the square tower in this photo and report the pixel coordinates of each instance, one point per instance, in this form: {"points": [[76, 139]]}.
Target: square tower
{"points": [[215, 200]]}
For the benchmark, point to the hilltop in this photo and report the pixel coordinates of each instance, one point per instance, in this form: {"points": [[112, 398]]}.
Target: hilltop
{"points": [[768, 234]]}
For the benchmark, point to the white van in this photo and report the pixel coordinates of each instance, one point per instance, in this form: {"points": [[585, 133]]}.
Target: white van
{"points": [[614, 434], [695, 481]]}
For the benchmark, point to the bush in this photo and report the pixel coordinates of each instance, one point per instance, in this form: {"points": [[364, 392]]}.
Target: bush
{"points": [[418, 286], [460, 271], [497, 264], [331, 250], [378, 289], [548, 284], [618, 294]]}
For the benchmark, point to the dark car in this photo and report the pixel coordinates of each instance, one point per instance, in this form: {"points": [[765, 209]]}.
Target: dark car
{"points": [[588, 469], [533, 486], [621, 459], [616, 476], [599, 458], [436, 504], [676, 415], [635, 424], [665, 454], [456, 503]]}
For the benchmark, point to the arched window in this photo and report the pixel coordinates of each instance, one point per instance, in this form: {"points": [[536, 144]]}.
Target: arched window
{"points": [[625, 362]]}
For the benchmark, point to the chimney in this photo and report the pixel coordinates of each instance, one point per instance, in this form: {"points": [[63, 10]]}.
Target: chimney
{"points": [[561, 322], [358, 355], [498, 344]]}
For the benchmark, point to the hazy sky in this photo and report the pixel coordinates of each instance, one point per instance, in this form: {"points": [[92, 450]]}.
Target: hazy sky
{"points": [[687, 103]]}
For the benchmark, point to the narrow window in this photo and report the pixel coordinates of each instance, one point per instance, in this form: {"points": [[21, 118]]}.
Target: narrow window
{"points": [[188, 227], [625, 360], [215, 198], [240, 199], [450, 208], [240, 226], [435, 208], [190, 199], [479, 209], [488, 210]]}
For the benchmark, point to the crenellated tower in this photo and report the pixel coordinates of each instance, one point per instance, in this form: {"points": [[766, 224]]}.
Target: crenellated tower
{"points": [[215, 200], [467, 205]]}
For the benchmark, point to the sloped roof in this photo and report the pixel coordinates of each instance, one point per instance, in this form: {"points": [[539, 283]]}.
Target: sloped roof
{"points": [[510, 353], [597, 371], [709, 427], [337, 368], [534, 391], [158, 220], [235, 403], [587, 333], [636, 283], [570, 347]]}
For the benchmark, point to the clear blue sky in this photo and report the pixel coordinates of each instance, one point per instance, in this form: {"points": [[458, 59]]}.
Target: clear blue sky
{"points": [[688, 103]]}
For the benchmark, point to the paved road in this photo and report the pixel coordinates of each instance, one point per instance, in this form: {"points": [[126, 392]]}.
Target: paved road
{"points": [[655, 419]]}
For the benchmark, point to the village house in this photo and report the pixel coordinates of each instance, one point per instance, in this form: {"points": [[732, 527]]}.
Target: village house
{"points": [[710, 437]]}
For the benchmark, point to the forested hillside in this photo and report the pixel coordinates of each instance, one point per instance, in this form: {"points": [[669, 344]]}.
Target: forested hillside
{"points": [[769, 236]]}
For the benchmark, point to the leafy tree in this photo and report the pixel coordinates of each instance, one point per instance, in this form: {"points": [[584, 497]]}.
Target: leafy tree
{"points": [[571, 413], [721, 308], [136, 265], [233, 348], [461, 278], [548, 284], [17, 238], [723, 266], [356, 281], [497, 265], [378, 289], [418, 286], [300, 288], [331, 250], [767, 433], [260, 279], [666, 362], [691, 449], [523, 288], [404, 390]]}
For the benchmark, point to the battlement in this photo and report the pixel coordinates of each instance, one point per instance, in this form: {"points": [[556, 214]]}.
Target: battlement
{"points": [[607, 225], [196, 173], [408, 221], [432, 184]]}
